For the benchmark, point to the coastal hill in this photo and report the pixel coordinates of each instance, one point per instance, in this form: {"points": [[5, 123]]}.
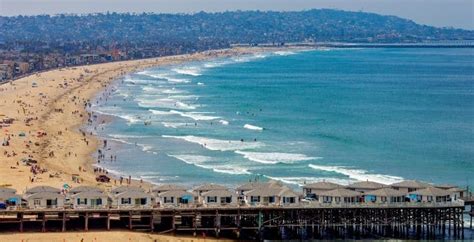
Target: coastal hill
{"points": [[216, 29], [36, 43]]}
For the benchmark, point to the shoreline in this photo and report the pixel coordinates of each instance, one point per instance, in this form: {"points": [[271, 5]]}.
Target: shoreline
{"points": [[53, 102]]}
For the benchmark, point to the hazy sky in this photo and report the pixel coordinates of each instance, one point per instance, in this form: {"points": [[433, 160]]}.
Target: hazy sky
{"points": [[444, 13]]}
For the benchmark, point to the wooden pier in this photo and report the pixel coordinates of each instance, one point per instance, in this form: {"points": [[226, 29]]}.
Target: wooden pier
{"points": [[256, 223]]}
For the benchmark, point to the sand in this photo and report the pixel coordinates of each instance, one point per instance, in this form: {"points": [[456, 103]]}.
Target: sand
{"points": [[112, 236]]}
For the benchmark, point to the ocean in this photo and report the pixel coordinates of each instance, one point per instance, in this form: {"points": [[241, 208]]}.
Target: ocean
{"points": [[338, 115]]}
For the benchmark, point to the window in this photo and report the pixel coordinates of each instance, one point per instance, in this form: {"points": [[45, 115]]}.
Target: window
{"points": [[225, 200], [37, 202], [143, 201], [271, 199], [168, 200], [81, 201], [289, 200], [126, 201], [255, 199], [211, 199]]}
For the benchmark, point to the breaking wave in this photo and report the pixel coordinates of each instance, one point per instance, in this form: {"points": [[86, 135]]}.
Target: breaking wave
{"points": [[274, 158], [358, 174]]}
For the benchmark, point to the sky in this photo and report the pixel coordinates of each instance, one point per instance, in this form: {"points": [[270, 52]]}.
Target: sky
{"points": [[440, 13]]}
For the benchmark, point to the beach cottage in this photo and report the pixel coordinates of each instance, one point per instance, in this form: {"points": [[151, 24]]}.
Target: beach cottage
{"points": [[264, 196], [218, 198], [340, 196], [385, 195], [313, 190], [90, 199], [409, 186], [131, 198], [240, 190], [175, 198], [44, 199], [429, 194], [198, 191]]}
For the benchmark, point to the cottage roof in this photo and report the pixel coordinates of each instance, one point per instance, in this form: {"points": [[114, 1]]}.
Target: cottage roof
{"points": [[456, 189], [387, 192], [340, 192], [209, 186], [410, 184], [168, 187], [175, 193], [85, 189], [126, 188], [44, 195], [253, 185], [366, 185], [132, 194], [444, 186], [218, 193], [264, 192], [41, 189], [90, 194], [323, 185], [287, 192], [431, 191]]}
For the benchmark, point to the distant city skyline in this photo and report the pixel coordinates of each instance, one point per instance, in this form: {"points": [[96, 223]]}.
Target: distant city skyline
{"points": [[439, 13]]}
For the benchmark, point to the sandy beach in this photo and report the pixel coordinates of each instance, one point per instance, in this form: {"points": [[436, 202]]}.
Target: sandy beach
{"points": [[48, 110], [112, 236]]}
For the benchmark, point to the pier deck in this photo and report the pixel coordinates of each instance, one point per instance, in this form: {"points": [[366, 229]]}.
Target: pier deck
{"points": [[302, 222]]}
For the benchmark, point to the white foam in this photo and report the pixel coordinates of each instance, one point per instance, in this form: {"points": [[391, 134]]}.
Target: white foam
{"points": [[200, 84], [252, 127], [123, 136], [217, 144], [166, 77], [158, 112], [301, 181], [191, 71], [275, 158], [201, 161], [224, 122], [145, 148], [194, 115], [163, 103], [284, 53], [154, 90], [173, 125], [358, 174]]}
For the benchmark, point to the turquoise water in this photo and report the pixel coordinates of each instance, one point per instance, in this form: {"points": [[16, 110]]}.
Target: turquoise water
{"points": [[339, 115]]}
